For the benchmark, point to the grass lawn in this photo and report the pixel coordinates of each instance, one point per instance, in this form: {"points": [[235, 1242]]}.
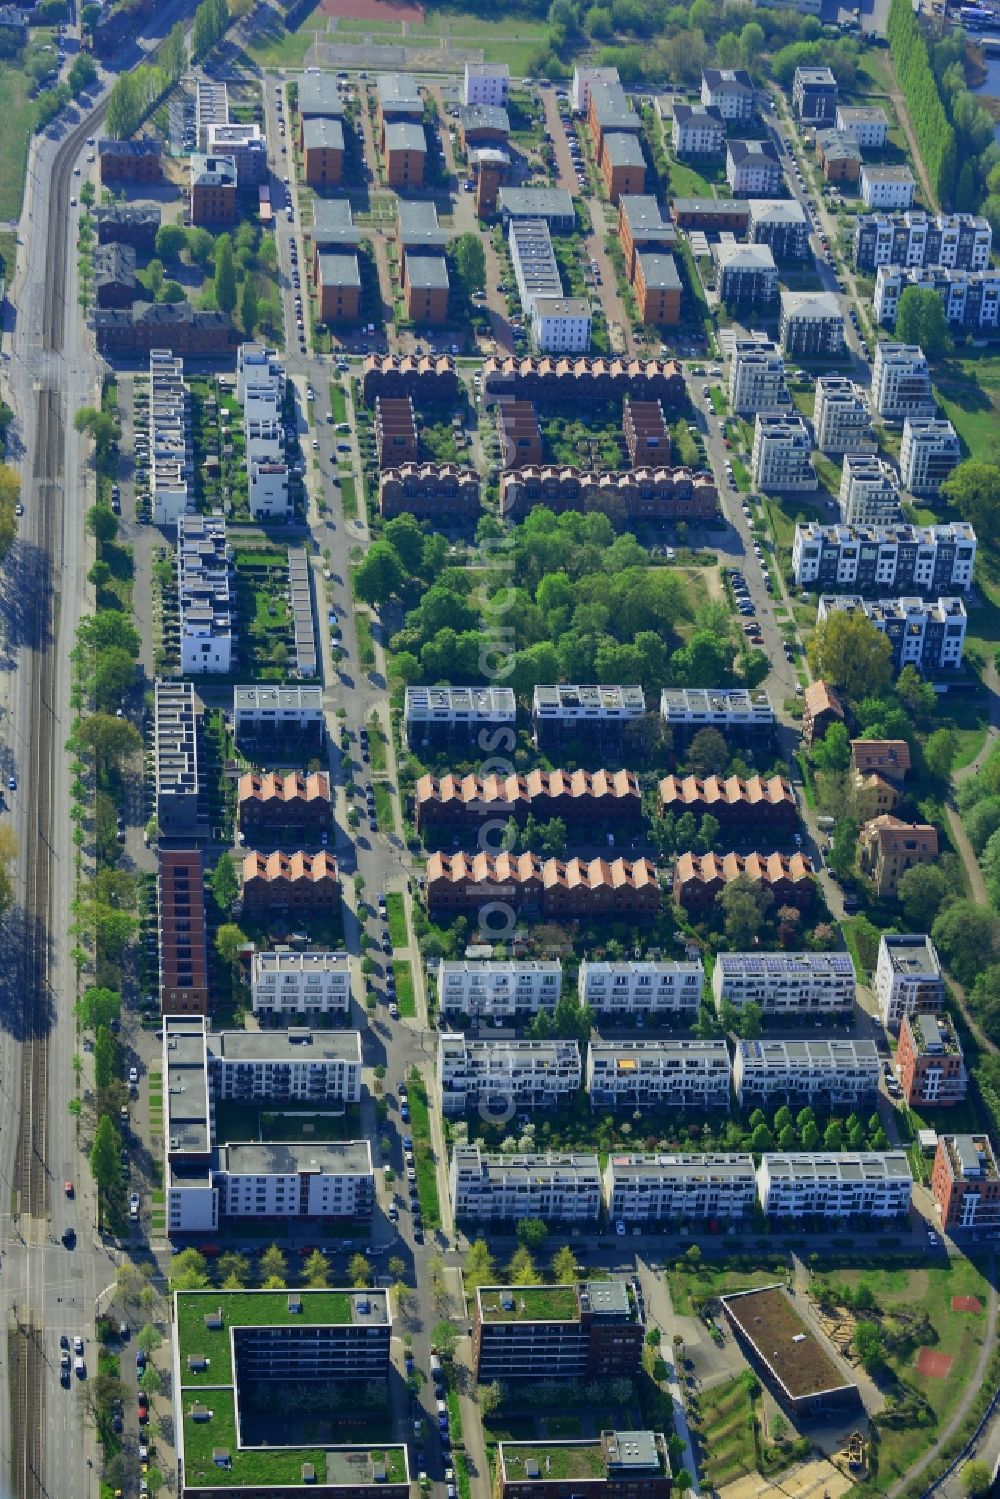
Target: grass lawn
{"points": [[8, 254], [383, 806], [718, 400], [726, 1435], [338, 404], [396, 914], [714, 1280], [376, 743], [405, 997], [968, 390], [274, 47], [349, 497], [17, 120], [741, 474], [959, 1334], [423, 1153], [366, 646], [686, 182]]}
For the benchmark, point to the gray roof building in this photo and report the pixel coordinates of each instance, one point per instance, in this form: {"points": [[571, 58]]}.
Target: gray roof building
{"points": [[429, 271], [319, 94], [321, 133], [623, 150], [339, 268], [333, 223], [612, 108], [659, 271], [484, 117], [418, 226], [399, 95], [553, 204], [405, 135]]}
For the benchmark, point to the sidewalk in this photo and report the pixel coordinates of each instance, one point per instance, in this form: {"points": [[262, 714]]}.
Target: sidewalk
{"points": [[660, 1313]]}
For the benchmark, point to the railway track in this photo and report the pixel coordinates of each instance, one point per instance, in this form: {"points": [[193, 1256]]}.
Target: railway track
{"points": [[26, 1390]]}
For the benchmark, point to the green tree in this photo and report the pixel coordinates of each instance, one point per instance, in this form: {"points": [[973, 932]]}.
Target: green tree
{"points": [[833, 751], [233, 1270], [532, 1233], [274, 1266], [97, 1008], [173, 56], [974, 489], [189, 1271], [224, 882], [921, 892], [317, 1270], [966, 936], [444, 1337], [977, 1480], [230, 941], [101, 523], [833, 1136], [171, 240], [359, 1270], [564, 1267], [104, 1156], [154, 278], [82, 74], [869, 1347], [810, 1136], [149, 1339], [761, 1140], [848, 652], [470, 261], [379, 576], [920, 319], [225, 274], [522, 1271], [745, 903], [201, 246], [479, 1268], [105, 1058], [248, 307], [708, 753]]}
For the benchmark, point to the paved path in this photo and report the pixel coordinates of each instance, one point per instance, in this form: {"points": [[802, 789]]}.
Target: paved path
{"points": [[969, 1393], [660, 1313]]}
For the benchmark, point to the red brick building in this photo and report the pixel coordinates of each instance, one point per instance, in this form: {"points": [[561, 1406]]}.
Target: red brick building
{"points": [[181, 931], [588, 1331], [623, 165], [712, 214], [213, 190], [839, 155], [431, 491], [338, 286], [638, 494], [177, 326], [323, 152], [130, 161], [426, 377], [647, 435], [617, 887], [575, 381], [699, 878], [597, 797], [520, 434], [888, 847], [405, 154], [965, 1184], [292, 883], [929, 1061], [275, 802], [641, 226], [621, 1465], [734, 803], [395, 431], [657, 288]]}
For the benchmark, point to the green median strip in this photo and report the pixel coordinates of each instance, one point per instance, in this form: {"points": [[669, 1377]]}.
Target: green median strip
{"points": [[423, 1153], [405, 997]]}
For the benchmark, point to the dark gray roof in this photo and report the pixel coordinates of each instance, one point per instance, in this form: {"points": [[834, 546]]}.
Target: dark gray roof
{"points": [[659, 271], [426, 271], [319, 94], [398, 94], [623, 150], [339, 268], [612, 108], [213, 171], [114, 265], [838, 145], [418, 225], [405, 135], [145, 146], [762, 151], [333, 223], [484, 117], [536, 202]]}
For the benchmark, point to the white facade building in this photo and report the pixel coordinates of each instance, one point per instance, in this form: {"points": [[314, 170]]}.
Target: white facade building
{"points": [[961, 241], [730, 91], [731, 710], [697, 130], [260, 387], [498, 989], [311, 1067], [786, 983], [561, 325], [642, 1188], [971, 299], [757, 379], [753, 169], [929, 452], [269, 492], [204, 603], [782, 454], [887, 187], [316, 1180], [486, 83], [287, 982], [869, 126], [908, 977], [842, 422], [504, 1188], [627, 989], [279, 711], [926, 633], [823, 1073], [884, 559], [869, 1184], [502, 1074], [901, 382], [171, 470], [659, 1074], [869, 494]]}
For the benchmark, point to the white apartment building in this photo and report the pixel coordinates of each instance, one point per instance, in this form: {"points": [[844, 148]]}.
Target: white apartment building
{"points": [[641, 989], [569, 708], [929, 452], [697, 130], [869, 494], [823, 1073], [885, 559], [782, 454], [753, 169], [442, 713], [654, 1188], [869, 1184], [811, 325], [971, 299], [757, 378], [908, 977], [961, 241], [731, 710], [171, 471], [786, 983], [498, 989], [561, 325], [257, 369], [288, 982], [887, 187], [308, 1066], [269, 488], [504, 1188], [486, 83], [926, 633], [204, 604], [659, 1074], [730, 91], [331, 1179], [499, 1076], [842, 422], [583, 81], [901, 382], [869, 125], [266, 709]]}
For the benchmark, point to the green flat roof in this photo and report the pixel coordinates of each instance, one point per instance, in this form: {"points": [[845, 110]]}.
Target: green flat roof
{"points": [[554, 1459], [245, 1309], [529, 1304]]}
